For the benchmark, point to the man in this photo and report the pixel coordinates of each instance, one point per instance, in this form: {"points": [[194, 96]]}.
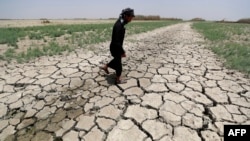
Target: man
{"points": [[116, 45]]}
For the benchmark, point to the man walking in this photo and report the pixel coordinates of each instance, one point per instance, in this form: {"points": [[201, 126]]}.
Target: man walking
{"points": [[116, 45]]}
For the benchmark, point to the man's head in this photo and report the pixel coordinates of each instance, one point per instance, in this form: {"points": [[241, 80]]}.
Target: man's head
{"points": [[128, 14]]}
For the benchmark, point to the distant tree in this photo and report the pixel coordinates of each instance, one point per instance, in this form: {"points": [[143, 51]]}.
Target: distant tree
{"points": [[246, 20], [197, 19], [150, 17]]}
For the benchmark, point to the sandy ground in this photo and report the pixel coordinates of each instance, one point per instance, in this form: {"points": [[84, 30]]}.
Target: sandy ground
{"points": [[25, 23]]}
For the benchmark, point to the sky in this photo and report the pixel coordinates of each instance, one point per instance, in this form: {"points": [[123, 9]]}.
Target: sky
{"points": [[101, 9]]}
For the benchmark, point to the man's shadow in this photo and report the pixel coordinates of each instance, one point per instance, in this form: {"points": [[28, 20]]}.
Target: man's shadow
{"points": [[110, 78]]}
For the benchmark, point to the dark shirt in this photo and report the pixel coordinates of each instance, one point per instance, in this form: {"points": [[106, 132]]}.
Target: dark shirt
{"points": [[118, 33]]}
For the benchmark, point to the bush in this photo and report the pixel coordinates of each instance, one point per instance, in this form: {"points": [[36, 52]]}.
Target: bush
{"points": [[45, 21]]}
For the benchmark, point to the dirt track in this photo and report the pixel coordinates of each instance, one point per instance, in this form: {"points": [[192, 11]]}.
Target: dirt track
{"points": [[177, 90]]}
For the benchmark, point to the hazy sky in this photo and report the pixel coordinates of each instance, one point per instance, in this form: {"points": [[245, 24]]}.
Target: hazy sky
{"points": [[185, 9]]}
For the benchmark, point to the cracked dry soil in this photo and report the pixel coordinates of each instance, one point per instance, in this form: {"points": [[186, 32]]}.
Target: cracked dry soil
{"points": [[177, 90]]}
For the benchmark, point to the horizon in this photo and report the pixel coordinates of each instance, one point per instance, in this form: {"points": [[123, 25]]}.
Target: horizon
{"points": [[213, 10], [162, 18]]}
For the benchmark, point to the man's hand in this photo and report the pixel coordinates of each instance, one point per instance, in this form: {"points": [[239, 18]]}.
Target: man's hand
{"points": [[124, 55]]}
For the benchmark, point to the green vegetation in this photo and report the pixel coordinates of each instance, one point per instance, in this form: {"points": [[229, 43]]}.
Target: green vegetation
{"points": [[230, 41], [139, 27], [59, 38]]}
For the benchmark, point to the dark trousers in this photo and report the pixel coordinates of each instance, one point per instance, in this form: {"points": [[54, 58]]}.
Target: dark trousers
{"points": [[116, 64]]}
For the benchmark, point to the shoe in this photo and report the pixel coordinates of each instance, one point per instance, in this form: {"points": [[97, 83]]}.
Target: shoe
{"points": [[121, 82], [106, 70]]}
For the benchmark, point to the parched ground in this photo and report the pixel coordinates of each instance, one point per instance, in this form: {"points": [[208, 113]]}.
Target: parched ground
{"points": [[177, 90]]}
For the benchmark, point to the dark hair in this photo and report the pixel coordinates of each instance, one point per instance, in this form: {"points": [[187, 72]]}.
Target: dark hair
{"points": [[127, 12]]}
